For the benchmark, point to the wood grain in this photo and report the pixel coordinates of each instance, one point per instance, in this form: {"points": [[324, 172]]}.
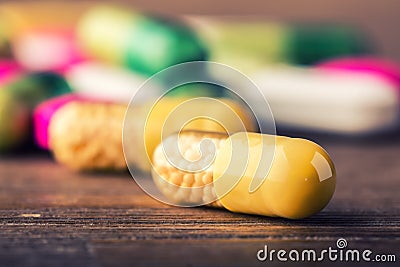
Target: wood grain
{"points": [[50, 216]]}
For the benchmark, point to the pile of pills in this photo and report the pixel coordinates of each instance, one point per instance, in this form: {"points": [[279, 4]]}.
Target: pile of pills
{"points": [[66, 80]]}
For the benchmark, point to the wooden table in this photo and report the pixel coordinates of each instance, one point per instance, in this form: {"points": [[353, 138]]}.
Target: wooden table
{"points": [[50, 216]]}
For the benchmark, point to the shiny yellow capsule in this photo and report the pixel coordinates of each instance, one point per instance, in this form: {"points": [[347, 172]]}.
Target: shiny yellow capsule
{"points": [[250, 173]]}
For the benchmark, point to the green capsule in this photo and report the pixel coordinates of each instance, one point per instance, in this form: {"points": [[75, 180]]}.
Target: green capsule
{"points": [[17, 101], [197, 90], [146, 44], [34, 88], [14, 121], [309, 44]]}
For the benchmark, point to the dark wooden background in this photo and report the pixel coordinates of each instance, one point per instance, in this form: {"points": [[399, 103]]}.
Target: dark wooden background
{"points": [[50, 216]]}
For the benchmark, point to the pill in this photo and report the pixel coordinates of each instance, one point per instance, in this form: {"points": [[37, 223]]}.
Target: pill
{"points": [[109, 83], [4, 44], [381, 67], [18, 18], [295, 177], [347, 103], [14, 121], [197, 90], [245, 45], [5, 48], [46, 49], [44, 112], [14, 115], [250, 44], [36, 87], [146, 44], [9, 70], [150, 122], [312, 43], [169, 179], [87, 136], [18, 99]]}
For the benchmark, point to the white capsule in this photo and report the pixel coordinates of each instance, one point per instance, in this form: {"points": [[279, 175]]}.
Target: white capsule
{"points": [[110, 83], [337, 102]]}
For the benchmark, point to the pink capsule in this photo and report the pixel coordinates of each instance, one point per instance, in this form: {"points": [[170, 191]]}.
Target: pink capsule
{"points": [[9, 69], [43, 114], [383, 68], [47, 50]]}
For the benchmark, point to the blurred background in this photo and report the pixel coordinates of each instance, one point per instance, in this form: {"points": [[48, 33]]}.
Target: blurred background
{"points": [[378, 18], [68, 70]]}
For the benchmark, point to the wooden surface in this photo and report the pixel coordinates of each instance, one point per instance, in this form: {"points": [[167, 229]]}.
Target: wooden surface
{"points": [[50, 216]]}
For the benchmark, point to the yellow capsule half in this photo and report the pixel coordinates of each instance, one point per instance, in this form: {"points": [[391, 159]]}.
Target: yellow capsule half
{"points": [[150, 122], [273, 176]]}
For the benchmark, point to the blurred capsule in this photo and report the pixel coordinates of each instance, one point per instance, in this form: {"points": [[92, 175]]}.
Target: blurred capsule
{"points": [[245, 45], [43, 114], [311, 43], [14, 114], [146, 125], [87, 136], [9, 70], [248, 45], [14, 121], [18, 98], [351, 103], [384, 68], [20, 18], [145, 44], [108, 83], [46, 50], [36, 87], [197, 90]]}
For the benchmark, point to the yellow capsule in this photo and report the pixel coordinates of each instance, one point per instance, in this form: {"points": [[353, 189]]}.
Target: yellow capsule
{"points": [[300, 181], [152, 121], [255, 173]]}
